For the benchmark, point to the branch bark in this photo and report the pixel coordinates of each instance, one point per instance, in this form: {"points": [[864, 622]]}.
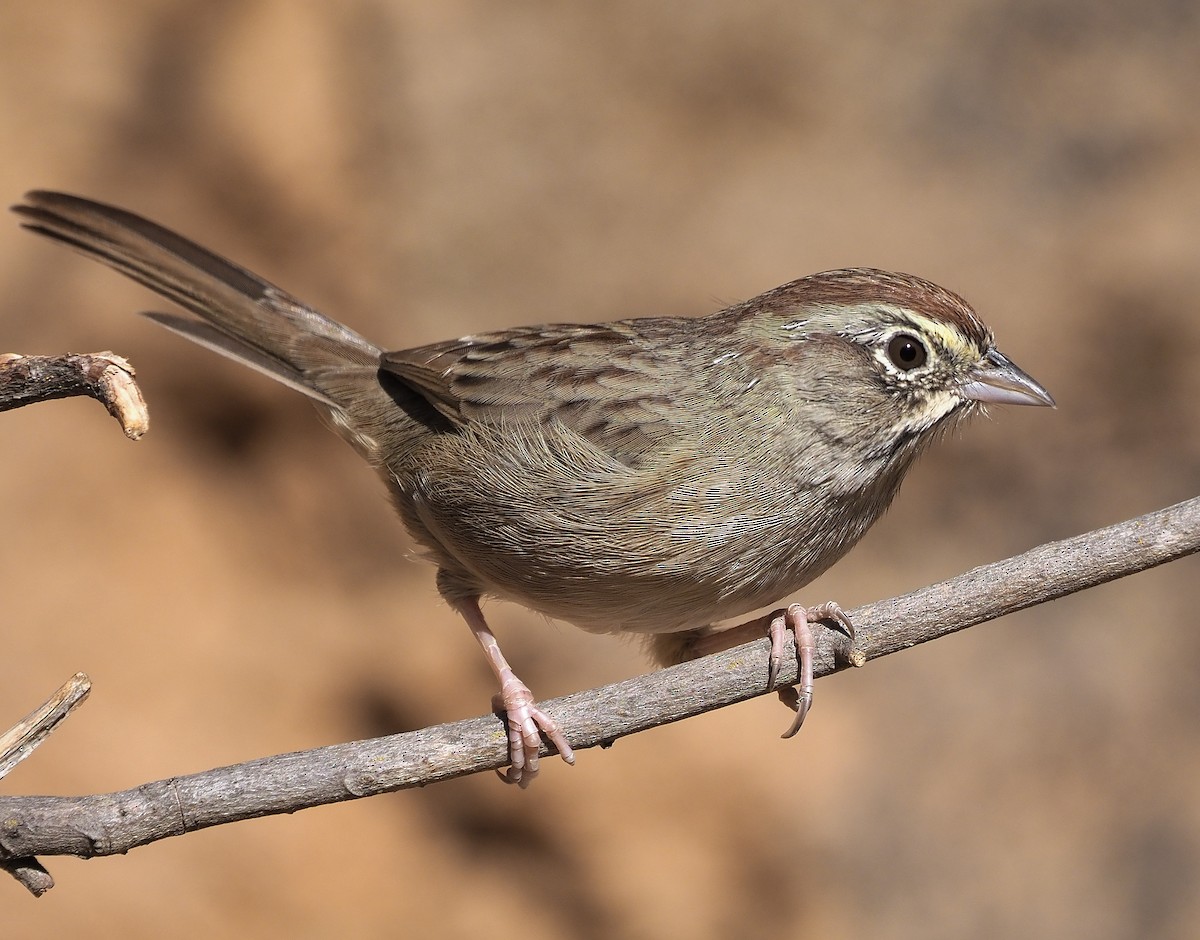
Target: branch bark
{"points": [[111, 823], [104, 376]]}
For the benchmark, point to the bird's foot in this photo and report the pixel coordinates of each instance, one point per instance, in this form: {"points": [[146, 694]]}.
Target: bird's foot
{"points": [[526, 724], [800, 619]]}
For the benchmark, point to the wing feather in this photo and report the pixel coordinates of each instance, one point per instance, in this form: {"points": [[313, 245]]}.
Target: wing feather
{"points": [[605, 382]]}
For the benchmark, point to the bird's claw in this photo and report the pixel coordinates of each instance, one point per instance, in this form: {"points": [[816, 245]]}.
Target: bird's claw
{"points": [[800, 620], [526, 724]]}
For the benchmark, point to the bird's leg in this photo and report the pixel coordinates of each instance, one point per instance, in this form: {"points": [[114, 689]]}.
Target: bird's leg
{"points": [[524, 719], [800, 619]]}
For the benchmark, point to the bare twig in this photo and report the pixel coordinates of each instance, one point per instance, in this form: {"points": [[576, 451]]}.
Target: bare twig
{"points": [[19, 741], [30, 873], [117, 822], [104, 376]]}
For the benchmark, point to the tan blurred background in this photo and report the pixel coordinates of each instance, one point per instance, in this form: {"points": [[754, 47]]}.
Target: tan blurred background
{"points": [[236, 586]]}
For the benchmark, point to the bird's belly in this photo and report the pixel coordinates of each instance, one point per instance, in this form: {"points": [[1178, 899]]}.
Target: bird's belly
{"points": [[618, 588], [613, 565]]}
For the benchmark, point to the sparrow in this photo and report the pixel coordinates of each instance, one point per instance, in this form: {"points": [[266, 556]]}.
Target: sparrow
{"points": [[653, 476]]}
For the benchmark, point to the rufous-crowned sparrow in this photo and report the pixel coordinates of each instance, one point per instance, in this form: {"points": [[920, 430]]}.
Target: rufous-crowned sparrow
{"points": [[650, 476]]}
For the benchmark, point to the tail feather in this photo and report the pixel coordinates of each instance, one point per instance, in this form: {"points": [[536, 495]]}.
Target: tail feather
{"points": [[206, 335], [241, 315], [244, 317]]}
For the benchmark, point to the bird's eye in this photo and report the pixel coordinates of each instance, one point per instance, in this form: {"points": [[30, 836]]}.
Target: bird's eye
{"points": [[906, 352]]}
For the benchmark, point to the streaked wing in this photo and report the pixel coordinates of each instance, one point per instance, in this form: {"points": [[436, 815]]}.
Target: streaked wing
{"points": [[605, 382]]}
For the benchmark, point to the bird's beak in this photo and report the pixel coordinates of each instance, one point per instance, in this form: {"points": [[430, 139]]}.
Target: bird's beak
{"points": [[997, 380]]}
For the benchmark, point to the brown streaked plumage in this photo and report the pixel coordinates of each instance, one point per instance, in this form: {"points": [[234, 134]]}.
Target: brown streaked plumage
{"points": [[649, 476]]}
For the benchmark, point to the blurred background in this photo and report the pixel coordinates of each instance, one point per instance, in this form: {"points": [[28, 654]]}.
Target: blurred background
{"points": [[236, 586]]}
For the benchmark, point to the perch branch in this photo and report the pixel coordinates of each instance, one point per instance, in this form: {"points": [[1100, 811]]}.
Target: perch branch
{"points": [[104, 376], [111, 823]]}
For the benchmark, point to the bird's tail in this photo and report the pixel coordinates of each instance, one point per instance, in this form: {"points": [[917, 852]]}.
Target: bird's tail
{"points": [[242, 315]]}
